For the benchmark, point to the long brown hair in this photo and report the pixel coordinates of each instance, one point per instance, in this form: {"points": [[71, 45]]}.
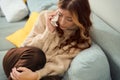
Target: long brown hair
{"points": [[80, 11]]}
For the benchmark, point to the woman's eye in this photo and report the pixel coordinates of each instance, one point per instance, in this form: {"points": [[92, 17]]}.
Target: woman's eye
{"points": [[70, 20]]}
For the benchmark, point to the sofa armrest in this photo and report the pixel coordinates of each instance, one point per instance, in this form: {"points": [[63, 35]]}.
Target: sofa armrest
{"points": [[90, 64]]}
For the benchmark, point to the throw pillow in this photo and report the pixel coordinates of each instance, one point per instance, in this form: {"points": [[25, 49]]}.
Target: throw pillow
{"points": [[19, 36], [14, 10]]}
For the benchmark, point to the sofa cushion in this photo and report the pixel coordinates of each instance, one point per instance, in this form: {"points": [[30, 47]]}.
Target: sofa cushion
{"points": [[90, 64], [2, 74], [39, 5], [108, 10], [1, 13], [14, 10], [7, 29]]}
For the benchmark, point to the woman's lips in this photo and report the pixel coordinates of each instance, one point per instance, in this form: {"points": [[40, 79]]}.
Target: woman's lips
{"points": [[62, 27]]}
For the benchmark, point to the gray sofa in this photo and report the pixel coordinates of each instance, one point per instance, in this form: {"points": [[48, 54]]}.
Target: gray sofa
{"points": [[99, 62], [106, 31]]}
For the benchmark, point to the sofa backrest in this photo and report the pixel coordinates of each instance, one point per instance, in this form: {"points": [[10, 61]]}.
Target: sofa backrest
{"points": [[108, 10], [106, 31]]}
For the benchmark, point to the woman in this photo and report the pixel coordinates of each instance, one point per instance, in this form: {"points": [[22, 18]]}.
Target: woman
{"points": [[60, 43]]}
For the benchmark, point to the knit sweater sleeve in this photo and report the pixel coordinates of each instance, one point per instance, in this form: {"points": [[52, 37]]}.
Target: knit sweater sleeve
{"points": [[36, 32], [57, 65]]}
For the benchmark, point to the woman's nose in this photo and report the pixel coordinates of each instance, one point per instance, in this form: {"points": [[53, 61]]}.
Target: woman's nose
{"points": [[62, 21]]}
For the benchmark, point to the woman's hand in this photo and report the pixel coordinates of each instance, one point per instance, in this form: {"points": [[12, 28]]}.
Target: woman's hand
{"points": [[23, 73], [48, 20]]}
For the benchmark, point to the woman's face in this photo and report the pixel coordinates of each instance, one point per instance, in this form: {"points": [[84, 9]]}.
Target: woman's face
{"points": [[65, 20]]}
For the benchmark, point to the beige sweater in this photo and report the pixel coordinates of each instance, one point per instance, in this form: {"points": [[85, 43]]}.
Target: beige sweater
{"points": [[58, 60]]}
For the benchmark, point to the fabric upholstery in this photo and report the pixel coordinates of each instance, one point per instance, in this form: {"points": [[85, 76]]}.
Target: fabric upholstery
{"points": [[2, 74], [108, 10], [90, 64], [109, 40], [7, 29], [39, 5], [14, 10], [106, 31]]}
